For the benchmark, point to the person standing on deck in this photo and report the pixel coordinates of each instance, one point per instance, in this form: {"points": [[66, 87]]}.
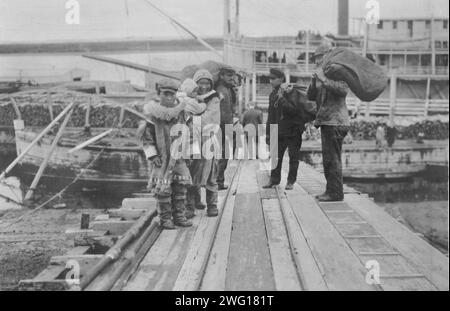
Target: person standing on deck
{"points": [[333, 120], [290, 129], [252, 116], [228, 110], [169, 177], [204, 170]]}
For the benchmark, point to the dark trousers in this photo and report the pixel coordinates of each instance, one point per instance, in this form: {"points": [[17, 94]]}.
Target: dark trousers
{"points": [[293, 144], [332, 138], [223, 163]]}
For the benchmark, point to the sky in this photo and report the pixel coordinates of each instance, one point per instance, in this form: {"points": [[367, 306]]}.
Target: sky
{"points": [[44, 20]]}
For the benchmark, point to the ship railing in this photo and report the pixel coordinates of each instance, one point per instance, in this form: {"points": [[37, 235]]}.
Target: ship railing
{"points": [[382, 106], [300, 67]]}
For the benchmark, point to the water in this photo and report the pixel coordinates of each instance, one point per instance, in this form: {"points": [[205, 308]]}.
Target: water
{"points": [[420, 202], [72, 198], [430, 185]]}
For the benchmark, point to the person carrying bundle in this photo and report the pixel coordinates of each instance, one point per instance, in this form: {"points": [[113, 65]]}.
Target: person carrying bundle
{"points": [[333, 120]]}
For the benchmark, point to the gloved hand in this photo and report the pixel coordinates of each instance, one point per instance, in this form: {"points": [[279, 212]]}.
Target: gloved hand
{"points": [[156, 160]]}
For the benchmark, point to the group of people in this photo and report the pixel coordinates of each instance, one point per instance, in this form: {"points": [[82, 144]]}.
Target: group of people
{"points": [[177, 182], [331, 117]]}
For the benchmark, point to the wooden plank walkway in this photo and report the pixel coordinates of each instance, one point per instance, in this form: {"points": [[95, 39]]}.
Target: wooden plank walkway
{"points": [[286, 240]]}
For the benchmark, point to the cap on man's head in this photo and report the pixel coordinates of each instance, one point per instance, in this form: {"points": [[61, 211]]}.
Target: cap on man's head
{"points": [[276, 73], [169, 85], [227, 70], [321, 50]]}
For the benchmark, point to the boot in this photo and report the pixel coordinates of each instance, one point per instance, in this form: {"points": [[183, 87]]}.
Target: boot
{"points": [[211, 201], [179, 217], [222, 187], [196, 191], [165, 217], [190, 211], [269, 185], [212, 211], [289, 186], [328, 198]]}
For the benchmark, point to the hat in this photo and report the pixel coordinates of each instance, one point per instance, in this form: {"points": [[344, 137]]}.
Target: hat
{"points": [[202, 74], [227, 70], [188, 86], [321, 50], [276, 73], [168, 85]]}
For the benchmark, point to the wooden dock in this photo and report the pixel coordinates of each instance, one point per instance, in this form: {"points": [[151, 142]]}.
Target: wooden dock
{"points": [[272, 239]]}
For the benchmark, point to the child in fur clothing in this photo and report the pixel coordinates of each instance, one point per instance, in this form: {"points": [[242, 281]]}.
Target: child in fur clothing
{"points": [[169, 177]]}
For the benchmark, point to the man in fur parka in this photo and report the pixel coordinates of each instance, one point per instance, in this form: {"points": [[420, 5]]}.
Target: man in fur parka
{"points": [[169, 177]]}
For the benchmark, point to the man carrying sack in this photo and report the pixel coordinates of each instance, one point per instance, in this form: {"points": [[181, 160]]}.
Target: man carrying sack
{"points": [[286, 115], [333, 120]]}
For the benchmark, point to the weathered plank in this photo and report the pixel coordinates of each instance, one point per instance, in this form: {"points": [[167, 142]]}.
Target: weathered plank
{"points": [[216, 269], [160, 267], [113, 227], [139, 203], [342, 269], [425, 258], [284, 267], [190, 274], [127, 214], [249, 266], [311, 271], [263, 178]]}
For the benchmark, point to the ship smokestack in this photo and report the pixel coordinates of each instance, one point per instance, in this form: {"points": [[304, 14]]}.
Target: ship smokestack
{"points": [[342, 17]]}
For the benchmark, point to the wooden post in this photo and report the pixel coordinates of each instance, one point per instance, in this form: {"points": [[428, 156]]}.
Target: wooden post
{"points": [[287, 75], [393, 94], [366, 39], [254, 87], [405, 63], [240, 99], [307, 52], [237, 21], [226, 19], [247, 90], [121, 116], [50, 106], [367, 114], [427, 98], [27, 149], [433, 48], [39, 173], [16, 108], [87, 124]]}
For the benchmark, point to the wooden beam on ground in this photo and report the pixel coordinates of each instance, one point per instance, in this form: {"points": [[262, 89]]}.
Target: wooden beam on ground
{"points": [[283, 263], [113, 227], [249, 266], [215, 271], [426, 259], [340, 266]]}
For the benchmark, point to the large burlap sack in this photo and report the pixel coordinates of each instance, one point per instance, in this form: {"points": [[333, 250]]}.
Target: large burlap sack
{"points": [[296, 93], [366, 79], [212, 66]]}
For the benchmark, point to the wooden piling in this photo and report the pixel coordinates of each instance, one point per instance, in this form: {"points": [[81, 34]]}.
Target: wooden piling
{"points": [[28, 148], [39, 173]]}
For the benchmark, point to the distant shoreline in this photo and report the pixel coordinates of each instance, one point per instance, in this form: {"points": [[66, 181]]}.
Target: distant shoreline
{"points": [[110, 46]]}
